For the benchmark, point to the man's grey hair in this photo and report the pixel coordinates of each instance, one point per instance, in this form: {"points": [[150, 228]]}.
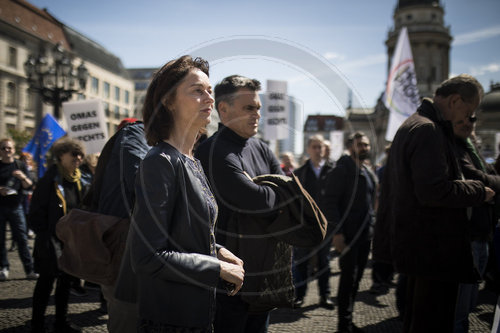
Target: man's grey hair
{"points": [[464, 84], [225, 91]]}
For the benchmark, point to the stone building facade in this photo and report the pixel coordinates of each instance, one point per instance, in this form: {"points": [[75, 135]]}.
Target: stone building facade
{"points": [[27, 30]]}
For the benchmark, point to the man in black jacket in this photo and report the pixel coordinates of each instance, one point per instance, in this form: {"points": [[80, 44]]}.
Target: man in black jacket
{"points": [[483, 218], [231, 158], [13, 179], [424, 202], [348, 203], [313, 175]]}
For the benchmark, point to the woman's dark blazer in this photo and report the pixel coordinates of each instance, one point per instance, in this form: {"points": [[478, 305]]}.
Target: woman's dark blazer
{"points": [[170, 242]]}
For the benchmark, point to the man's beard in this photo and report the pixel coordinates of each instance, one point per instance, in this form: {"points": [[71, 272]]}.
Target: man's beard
{"points": [[363, 156]]}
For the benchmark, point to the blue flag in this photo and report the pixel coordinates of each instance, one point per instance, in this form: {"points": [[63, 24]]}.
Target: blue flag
{"points": [[46, 134]]}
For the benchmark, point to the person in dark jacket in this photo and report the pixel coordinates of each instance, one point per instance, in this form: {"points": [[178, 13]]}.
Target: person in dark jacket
{"points": [[312, 176], [482, 220], [231, 157], [112, 193], [171, 241], [348, 205], [424, 202], [13, 180], [58, 191]]}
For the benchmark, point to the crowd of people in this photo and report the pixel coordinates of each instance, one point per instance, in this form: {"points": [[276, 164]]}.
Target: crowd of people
{"points": [[214, 242]]}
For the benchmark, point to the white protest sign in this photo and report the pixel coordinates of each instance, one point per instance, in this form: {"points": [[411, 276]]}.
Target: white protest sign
{"points": [[276, 111], [87, 123], [336, 144]]}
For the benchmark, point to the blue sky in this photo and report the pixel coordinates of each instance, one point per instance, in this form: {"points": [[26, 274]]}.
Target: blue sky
{"points": [[344, 38]]}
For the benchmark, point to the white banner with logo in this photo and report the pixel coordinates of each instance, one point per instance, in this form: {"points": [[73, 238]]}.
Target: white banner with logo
{"points": [[401, 95], [276, 111], [86, 122]]}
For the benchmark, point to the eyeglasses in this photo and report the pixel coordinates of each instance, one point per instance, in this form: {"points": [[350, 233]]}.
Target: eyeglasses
{"points": [[6, 148], [76, 153], [472, 119]]}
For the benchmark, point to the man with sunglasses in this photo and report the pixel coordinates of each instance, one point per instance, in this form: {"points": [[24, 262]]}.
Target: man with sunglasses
{"points": [[482, 218], [425, 202], [13, 179]]}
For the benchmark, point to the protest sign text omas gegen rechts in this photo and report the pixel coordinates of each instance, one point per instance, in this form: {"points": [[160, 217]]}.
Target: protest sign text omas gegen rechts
{"points": [[86, 122]]}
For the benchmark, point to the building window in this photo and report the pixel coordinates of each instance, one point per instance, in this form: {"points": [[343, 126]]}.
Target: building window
{"points": [[330, 124], [141, 85], [127, 96], [12, 57], [125, 113], [106, 90], [312, 125], [106, 108], [409, 17], [433, 76], [117, 112], [29, 116], [94, 88], [117, 94], [11, 94]]}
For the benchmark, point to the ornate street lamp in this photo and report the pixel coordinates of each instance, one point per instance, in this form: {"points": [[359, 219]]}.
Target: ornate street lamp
{"points": [[55, 82]]}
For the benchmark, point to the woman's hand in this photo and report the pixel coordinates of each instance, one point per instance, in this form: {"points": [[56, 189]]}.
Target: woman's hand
{"points": [[231, 269], [233, 274], [227, 256]]}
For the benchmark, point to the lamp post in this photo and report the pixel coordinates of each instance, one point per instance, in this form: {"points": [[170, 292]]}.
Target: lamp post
{"points": [[55, 82]]}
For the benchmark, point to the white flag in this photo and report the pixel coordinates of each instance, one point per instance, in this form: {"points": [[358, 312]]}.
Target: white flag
{"points": [[401, 94]]}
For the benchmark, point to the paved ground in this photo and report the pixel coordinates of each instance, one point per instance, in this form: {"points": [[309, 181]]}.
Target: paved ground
{"points": [[373, 314]]}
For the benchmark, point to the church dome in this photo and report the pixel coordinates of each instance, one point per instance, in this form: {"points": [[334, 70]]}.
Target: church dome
{"points": [[491, 100]]}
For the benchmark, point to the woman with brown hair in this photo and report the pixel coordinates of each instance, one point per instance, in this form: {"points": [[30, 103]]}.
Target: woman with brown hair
{"points": [[171, 241], [57, 192]]}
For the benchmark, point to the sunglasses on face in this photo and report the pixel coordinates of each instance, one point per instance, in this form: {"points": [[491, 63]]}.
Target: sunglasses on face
{"points": [[76, 153], [472, 119], [6, 148]]}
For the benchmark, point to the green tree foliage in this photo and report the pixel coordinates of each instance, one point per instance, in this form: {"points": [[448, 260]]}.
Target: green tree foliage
{"points": [[21, 138]]}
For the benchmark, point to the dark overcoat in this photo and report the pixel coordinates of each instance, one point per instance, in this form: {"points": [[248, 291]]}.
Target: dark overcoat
{"points": [[422, 219]]}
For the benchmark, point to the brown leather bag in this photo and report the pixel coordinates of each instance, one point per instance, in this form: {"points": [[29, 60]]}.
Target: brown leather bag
{"points": [[93, 245]]}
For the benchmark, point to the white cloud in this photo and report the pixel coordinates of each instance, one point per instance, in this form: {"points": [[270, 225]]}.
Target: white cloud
{"points": [[476, 36], [485, 69], [333, 56]]}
